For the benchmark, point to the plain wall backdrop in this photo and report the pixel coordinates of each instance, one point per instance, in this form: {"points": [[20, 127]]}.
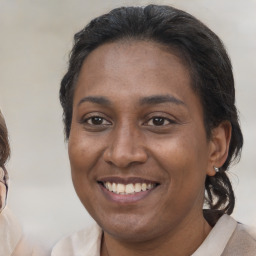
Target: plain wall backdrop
{"points": [[35, 40]]}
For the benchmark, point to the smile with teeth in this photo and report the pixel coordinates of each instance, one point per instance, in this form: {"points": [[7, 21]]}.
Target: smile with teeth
{"points": [[122, 189]]}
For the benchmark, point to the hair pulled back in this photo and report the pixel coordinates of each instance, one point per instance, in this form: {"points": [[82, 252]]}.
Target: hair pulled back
{"points": [[4, 142], [202, 52]]}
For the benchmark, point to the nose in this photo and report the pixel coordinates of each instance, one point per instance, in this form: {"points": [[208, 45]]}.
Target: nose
{"points": [[125, 148]]}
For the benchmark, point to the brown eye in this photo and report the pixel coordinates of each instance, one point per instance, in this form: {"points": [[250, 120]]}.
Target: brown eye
{"points": [[97, 120], [159, 121]]}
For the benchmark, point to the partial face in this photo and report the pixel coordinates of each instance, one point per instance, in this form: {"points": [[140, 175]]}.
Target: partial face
{"points": [[137, 147], [2, 196]]}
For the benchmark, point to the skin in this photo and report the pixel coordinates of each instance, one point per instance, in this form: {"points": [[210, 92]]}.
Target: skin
{"points": [[2, 194], [150, 126]]}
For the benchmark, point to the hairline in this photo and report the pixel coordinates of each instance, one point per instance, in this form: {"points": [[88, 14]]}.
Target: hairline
{"points": [[182, 55]]}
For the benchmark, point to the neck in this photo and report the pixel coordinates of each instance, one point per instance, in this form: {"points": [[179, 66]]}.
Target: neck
{"points": [[183, 241]]}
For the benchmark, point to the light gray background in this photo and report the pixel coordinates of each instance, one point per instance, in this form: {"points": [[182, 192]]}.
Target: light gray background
{"points": [[35, 39]]}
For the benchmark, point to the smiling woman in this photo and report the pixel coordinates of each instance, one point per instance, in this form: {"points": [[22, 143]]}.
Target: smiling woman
{"points": [[151, 124]]}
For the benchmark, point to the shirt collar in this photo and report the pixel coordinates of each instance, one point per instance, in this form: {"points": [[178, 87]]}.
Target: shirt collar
{"points": [[88, 242], [216, 241]]}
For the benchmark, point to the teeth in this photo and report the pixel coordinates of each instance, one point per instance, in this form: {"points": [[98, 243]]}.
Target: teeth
{"points": [[109, 186], [149, 186], [114, 187], [144, 187], [129, 189], [122, 189], [137, 187]]}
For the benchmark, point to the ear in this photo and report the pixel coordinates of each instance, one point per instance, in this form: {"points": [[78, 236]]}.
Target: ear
{"points": [[219, 146]]}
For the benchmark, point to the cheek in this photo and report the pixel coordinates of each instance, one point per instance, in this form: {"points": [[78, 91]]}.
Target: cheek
{"points": [[180, 150], [82, 162], [82, 159], [83, 152], [184, 159]]}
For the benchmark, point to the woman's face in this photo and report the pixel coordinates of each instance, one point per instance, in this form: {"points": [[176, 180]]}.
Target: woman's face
{"points": [[138, 129]]}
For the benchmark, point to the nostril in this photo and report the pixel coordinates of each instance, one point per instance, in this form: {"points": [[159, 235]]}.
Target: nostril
{"points": [[123, 158]]}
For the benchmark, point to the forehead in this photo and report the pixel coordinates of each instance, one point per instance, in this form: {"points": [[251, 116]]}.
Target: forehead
{"points": [[139, 64], [113, 53]]}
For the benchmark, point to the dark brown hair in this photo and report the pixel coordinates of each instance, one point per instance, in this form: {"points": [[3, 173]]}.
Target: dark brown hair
{"points": [[4, 142]]}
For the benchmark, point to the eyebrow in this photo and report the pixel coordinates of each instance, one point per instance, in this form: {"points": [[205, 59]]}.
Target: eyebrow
{"points": [[158, 99], [95, 99], [151, 100]]}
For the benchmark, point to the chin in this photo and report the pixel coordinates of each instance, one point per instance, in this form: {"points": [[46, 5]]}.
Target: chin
{"points": [[130, 228]]}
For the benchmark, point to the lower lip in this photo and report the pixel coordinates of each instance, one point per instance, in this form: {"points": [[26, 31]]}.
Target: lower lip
{"points": [[124, 199]]}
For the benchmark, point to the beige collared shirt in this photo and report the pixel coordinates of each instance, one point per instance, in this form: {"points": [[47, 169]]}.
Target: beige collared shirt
{"points": [[227, 238]]}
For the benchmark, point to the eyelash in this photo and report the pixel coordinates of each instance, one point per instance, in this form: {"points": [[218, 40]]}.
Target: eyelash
{"points": [[162, 120], [89, 121], [103, 122]]}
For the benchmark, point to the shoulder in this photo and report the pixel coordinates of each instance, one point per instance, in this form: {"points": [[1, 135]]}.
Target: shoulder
{"points": [[13, 241], [28, 247], [242, 242], [10, 232], [84, 242], [228, 238]]}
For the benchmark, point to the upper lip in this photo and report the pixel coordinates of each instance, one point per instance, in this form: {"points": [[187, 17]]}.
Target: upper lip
{"points": [[127, 180]]}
